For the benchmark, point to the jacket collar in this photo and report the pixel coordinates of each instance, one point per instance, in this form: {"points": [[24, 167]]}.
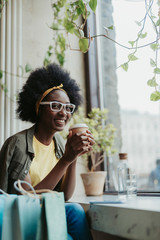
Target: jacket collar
{"points": [[59, 148], [29, 136]]}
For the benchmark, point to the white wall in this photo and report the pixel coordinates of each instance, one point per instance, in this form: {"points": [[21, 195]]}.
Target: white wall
{"points": [[37, 36]]}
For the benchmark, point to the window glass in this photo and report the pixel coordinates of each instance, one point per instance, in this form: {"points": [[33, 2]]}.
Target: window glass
{"points": [[140, 117]]}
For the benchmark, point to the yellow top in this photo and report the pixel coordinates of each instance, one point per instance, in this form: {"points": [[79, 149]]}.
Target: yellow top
{"points": [[43, 162]]}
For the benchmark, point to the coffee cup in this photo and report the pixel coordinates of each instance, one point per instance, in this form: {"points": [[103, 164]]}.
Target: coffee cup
{"points": [[79, 127]]}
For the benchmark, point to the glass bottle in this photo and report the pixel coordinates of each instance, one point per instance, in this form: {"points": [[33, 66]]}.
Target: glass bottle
{"points": [[122, 175], [131, 183], [111, 179]]}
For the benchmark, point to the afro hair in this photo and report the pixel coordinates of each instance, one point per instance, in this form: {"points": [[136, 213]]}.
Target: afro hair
{"points": [[38, 82]]}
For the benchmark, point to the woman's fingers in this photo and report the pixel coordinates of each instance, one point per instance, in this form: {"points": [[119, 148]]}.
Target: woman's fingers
{"points": [[83, 139], [78, 144], [82, 143]]}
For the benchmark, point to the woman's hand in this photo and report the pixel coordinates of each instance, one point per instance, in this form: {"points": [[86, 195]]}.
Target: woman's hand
{"points": [[77, 145]]}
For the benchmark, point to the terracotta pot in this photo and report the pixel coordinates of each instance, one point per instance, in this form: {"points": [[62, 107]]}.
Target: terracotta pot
{"points": [[94, 182]]}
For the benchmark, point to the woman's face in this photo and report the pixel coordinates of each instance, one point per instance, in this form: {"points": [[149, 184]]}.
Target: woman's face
{"points": [[54, 121]]}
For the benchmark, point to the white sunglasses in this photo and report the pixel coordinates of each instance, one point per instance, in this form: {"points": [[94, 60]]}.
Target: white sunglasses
{"points": [[57, 106]]}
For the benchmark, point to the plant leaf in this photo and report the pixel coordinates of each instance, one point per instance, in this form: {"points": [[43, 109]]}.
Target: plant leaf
{"points": [[138, 23], [4, 88], [157, 70], [54, 26], [152, 82], [125, 66], [60, 58], [155, 96], [158, 22], [1, 74], [111, 27], [83, 45], [152, 62], [77, 32], [28, 68], [81, 5], [132, 43], [143, 35], [75, 17], [79, 11], [154, 46], [132, 57], [93, 5], [69, 26]]}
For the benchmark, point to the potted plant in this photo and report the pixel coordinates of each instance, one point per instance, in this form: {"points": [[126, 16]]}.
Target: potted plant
{"points": [[104, 135]]}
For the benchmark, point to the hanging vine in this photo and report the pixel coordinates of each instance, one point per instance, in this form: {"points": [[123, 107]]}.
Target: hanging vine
{"points": [[66, 14], [70, 17]]}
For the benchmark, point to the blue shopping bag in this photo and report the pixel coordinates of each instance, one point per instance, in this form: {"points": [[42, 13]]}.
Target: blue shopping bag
{"points": [[2, 199], [34, 217], [20, 217], [8, 224], [52, 224], [27, 211]]}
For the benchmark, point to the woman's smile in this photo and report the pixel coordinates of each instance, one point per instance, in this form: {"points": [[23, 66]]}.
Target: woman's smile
{"points": [[60, 122]]}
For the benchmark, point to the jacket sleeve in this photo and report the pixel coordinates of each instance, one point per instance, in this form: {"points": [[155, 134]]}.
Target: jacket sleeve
{"points": [[6, 155], [59, 145]]}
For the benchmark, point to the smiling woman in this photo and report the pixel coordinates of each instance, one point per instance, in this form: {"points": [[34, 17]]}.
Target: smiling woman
{"points": [[38, 155]]}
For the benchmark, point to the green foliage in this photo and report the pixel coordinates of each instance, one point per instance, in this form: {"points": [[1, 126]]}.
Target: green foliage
{"points": [[152, 82], [60, 49], [4, 88], [155, 96], [1, 74], [66, 15], [132, 57], [125, 66], [93, 5], [138, 23], [47, 60], [154, 45], [103, 132], [152, 62], [2, 3], [83, 45], [157, 70], [20, 70], [2, 85], [28, 68], [111, 27], [143, 35], [132, 43]]}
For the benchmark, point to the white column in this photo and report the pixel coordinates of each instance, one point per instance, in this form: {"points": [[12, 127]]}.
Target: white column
{"points": [[2, 67], [14, 64], [8, 69], [10, 60]]}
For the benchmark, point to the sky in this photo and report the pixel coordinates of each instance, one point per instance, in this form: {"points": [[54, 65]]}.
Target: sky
{"points": [[134, 93]]}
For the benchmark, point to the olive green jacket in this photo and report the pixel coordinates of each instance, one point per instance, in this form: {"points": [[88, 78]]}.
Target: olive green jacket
{"points": [[16, 156]]}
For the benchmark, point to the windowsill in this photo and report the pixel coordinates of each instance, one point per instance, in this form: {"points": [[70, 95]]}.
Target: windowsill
{"points": [[137, 218]]}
